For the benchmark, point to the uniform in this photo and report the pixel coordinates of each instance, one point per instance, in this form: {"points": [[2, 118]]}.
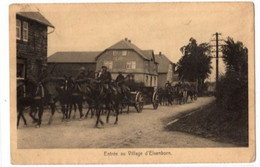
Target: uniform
{"points": [[105, 77], [80, 77], [120, 79]]}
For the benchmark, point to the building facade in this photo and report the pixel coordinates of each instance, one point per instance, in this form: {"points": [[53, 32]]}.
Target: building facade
{"points": [[127, 58], [69, 63], [31, 44], [166, 69]]}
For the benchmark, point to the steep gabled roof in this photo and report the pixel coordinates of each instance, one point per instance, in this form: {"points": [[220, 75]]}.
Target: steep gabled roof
{"points": [[149, 54], [164, 63], [73, 57], [36, 16], [127, 45]]}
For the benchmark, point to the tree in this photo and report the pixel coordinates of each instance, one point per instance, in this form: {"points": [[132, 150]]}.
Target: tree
{"points": [[195, 64], [235, 56], [232, 89]]}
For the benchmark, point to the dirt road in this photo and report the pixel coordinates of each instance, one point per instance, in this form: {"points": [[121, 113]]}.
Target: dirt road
{"points": [[134, 130]]}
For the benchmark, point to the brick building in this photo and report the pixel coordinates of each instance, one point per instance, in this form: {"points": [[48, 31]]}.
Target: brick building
{"points": [[31, 43], [127, 58]]}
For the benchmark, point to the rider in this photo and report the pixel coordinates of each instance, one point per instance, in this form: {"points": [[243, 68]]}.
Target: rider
{"points": [[105, 78], [80, 77], [120, 80], [167, 84]]}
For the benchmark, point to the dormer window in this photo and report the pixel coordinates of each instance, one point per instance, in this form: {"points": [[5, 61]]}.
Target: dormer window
{"points": [[18, 29], [25, 31]]}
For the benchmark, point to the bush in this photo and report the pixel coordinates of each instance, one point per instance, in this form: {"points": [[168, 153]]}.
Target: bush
{"points": [[232, 94]]}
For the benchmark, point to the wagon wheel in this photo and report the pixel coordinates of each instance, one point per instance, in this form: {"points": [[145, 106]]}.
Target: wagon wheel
{"points": [[139, 102], [155, 100]]}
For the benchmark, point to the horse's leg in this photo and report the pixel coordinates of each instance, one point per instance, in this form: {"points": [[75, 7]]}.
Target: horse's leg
{"points": [[127, 109], [52, 106], [80, 110], [108, 113], [69, 110], [63, 109], [24, 120], [117, 112], [40, 113], [75, 109], [86, 115], [18, 118], [98, 110], [92, 112], [32, 110]]}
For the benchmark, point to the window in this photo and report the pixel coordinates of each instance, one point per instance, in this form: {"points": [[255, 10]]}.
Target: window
{"points": [[18, 29], [124, 52], [20, 73], [155, 81], [116, 53], [147, 80], [130, 65], [108, 64], [25, 31]]}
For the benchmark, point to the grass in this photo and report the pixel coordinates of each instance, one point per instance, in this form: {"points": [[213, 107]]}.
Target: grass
{"points": [[215, 124]]}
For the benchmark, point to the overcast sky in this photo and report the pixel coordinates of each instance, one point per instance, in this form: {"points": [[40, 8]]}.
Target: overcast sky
{"points": [[165, 27]]}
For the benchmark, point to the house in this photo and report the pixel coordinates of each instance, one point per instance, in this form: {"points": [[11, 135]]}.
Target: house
{"points": [[175, 79], [166, 69], [69, 63], [127, 58], [31, 43]]}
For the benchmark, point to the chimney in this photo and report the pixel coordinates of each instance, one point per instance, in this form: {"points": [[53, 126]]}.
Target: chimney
{"points": [[125, 39], [160, 54], [129, 41]]}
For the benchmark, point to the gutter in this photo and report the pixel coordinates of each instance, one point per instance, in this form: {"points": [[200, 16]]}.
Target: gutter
{"points": [[53, 29]]}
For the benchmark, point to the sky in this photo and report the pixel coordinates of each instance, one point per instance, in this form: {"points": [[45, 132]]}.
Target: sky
{"points": [[164, 27]]}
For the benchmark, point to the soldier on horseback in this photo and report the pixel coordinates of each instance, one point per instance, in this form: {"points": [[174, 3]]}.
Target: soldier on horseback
{"points": [[80, 77], [105, 79], [120, 80]]}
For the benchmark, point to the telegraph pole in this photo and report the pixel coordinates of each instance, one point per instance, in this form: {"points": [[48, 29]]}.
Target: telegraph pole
{"points": [[216, 57], [217, 50]]}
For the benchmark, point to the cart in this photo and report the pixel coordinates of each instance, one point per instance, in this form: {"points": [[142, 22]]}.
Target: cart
{"points": [[143, 95]]}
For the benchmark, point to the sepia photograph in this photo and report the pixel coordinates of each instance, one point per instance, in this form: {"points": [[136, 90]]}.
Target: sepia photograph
{"points": [[132, 83]]}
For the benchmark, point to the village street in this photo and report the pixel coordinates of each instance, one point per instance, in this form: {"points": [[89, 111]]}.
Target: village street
{"points": [[134, 130]]}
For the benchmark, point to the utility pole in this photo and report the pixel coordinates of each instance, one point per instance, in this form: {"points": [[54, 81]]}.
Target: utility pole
{"points": [[216, 57], [217, 50]]}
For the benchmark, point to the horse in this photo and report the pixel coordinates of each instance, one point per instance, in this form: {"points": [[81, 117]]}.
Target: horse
{"points": [[41, 99], [33, 95], [192, 93], [69, 95], [22, 102], [119, 97], [165, 95], [102, 95]]}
